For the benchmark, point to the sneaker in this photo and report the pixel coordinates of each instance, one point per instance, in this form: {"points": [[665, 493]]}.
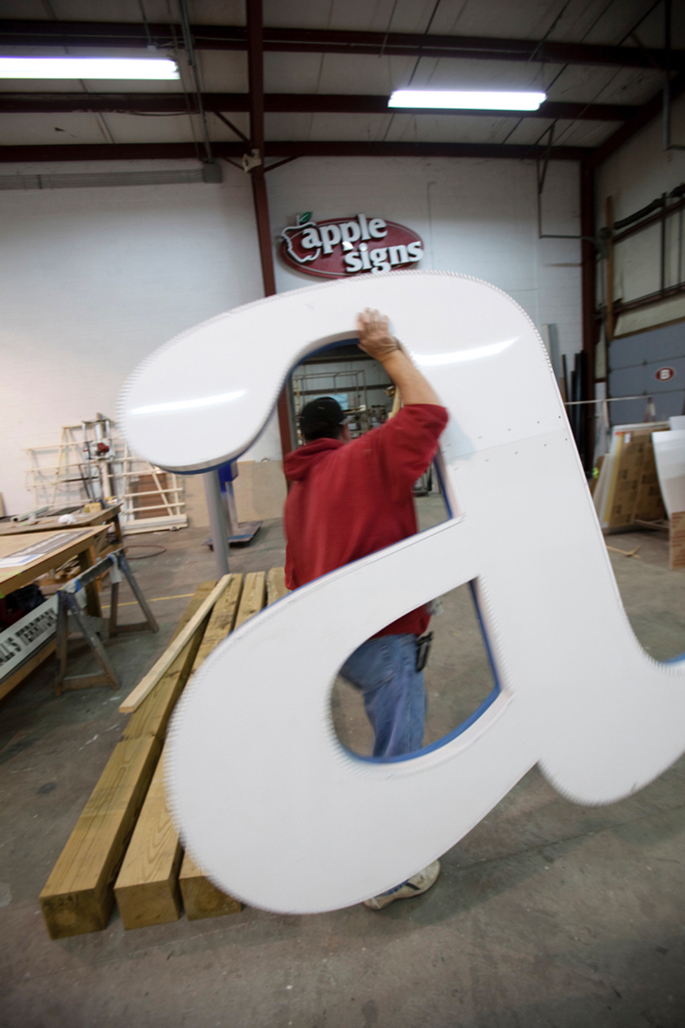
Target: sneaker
{"points": [[414, 886]]}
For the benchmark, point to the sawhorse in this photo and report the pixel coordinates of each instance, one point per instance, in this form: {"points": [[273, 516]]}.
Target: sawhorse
{"points": [[68, 605]]}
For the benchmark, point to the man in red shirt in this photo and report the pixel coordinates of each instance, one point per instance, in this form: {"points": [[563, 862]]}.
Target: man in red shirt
{"points": [[349, 498]]}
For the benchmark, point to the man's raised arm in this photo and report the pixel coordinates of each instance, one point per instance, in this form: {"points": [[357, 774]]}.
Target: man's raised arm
{"points": [[375, 339]]}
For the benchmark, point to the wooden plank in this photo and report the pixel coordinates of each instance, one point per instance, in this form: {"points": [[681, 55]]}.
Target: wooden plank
{"points": [[276, 588], [147, 890], [252, 600], [147, 684], [79, 895], [200, 897], [152, 716], [222, 620]]}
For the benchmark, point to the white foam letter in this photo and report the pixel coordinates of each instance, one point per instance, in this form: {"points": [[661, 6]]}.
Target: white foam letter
{"points": [[601, 718]]}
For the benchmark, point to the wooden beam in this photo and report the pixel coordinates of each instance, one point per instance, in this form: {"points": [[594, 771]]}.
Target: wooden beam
{"points": [[201, 898], [147, 889], [252, 600], [150, 680], [222, 621], [16, 32], [79, 895], [276, 588]]}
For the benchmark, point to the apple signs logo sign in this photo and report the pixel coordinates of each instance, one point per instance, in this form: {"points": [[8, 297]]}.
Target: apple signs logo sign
{"points": [[341, 247], [270, 804]]}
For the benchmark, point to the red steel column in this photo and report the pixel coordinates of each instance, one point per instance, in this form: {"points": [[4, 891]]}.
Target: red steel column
{"points": [[588, 273], [255, 61]]}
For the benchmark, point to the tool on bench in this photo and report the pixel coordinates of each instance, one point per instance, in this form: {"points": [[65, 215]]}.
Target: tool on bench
{"points": [[68, 605]]}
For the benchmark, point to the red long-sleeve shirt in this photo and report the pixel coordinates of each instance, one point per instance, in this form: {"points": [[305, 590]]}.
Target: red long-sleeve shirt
{"points": [[351, 499]]}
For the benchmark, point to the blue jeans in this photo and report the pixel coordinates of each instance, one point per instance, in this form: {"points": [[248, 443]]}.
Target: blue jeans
{"points": [[394, 695]]}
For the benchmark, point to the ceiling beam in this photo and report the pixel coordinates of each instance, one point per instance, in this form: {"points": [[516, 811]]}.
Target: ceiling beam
{"points": [[227, 37], [325, 148], [644, 115], [174, 103]]}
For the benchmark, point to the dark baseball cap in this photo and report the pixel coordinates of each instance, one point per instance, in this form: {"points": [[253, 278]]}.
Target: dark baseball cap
{"points": [[319, 416]]}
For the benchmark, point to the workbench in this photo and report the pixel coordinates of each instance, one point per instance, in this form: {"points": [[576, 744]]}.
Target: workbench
{"points": [[52, 549], [51, 524]]}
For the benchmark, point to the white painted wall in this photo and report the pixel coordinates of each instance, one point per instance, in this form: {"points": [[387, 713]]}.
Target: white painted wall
{"points": [[639, 172], [474, 216], [92, 280]]}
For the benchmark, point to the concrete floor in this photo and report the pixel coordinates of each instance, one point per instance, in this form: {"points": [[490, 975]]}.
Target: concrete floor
{"points": [[546, 914]]}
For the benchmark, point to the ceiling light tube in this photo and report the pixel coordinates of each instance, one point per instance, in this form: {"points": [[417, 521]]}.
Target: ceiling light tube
{"points": [[466, 100], [87, 68]]}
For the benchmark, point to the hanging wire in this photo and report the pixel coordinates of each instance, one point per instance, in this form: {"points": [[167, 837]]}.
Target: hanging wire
{"points": [[427, 30], [387, 31], [150, 43], [549, 31], [566, 66], [411, 77], [192, 63], [186, 97], [581, 40], [606, 85]]}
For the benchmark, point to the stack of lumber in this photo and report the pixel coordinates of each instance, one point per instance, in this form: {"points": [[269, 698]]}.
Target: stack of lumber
{"points": [[627, 489], [124, 845]]}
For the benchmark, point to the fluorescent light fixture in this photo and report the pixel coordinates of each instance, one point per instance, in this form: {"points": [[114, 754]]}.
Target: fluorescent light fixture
{"points": [[466, 100], [87, 68]]}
